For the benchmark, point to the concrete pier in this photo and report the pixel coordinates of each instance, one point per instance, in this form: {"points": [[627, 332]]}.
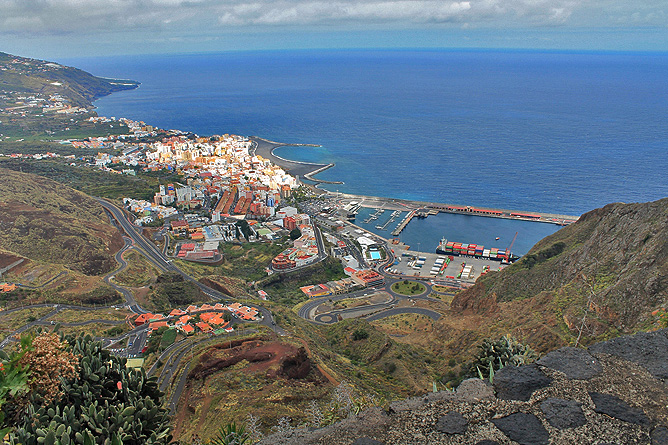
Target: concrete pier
{"points": [[406, 205]]}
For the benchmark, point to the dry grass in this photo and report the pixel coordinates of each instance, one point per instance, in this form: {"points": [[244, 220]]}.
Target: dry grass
{"points": [[138, 273], [10, 322], [72, 316]]}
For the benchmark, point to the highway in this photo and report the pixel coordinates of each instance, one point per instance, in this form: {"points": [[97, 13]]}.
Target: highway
{"points": [[157, 257]]}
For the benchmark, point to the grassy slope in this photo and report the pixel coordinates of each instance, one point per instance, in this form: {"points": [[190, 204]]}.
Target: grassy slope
{"points": [[48, 222], [89, 180], [612, 264]]}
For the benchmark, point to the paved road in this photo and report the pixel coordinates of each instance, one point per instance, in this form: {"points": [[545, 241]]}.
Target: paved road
{"points": [[127, 294], [25, 286], [153, 254], [322, 254], [404, 310], [43, 320]]}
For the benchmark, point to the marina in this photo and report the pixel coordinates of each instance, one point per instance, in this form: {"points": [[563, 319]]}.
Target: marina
{"points": [[425, 234], [424, 209], [394, 216], [404, 223], [374, 216]]}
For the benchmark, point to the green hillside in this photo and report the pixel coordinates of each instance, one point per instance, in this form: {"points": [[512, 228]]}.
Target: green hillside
{"points": [[610, 269], [37, 76]]}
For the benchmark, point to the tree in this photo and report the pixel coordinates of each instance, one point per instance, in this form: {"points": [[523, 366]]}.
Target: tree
{"points": [[49, 362], [360, 334], [295, 234]]}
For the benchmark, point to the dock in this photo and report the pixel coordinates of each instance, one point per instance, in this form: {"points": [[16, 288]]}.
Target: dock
{"points": [[375, 215], [431, 208], [402, 225], [394, 216]]}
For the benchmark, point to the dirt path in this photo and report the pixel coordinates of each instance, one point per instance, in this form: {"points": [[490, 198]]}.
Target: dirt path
{"points": [[206, 404], [327, 375]]}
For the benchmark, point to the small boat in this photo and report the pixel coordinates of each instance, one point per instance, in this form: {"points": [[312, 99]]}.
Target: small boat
{"points": [[497, 238]]}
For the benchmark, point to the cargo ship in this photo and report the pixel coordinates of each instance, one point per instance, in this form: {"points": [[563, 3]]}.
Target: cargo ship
{"points": [[475, 250]]}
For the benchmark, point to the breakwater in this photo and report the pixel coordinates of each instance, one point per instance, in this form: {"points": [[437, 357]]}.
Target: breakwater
{"points": [[430, 207]]}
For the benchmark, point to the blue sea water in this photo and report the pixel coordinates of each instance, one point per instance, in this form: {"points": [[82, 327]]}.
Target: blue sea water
{"points": [[551, 132]]}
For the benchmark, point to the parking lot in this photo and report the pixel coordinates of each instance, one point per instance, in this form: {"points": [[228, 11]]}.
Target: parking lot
{"points": [[420, 264]]}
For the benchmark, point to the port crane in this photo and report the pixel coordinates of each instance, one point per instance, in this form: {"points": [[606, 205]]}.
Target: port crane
{"points": [[510, 246]]}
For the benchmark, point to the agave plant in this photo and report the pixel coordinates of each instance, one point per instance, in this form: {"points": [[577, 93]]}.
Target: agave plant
{"points": [[494, 355], [231, 434]]}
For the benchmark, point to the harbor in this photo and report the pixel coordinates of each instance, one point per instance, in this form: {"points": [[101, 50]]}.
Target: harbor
{"points": [[424, 209], [424, 233]]}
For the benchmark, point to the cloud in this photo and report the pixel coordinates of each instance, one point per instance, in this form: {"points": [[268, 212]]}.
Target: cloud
{"points": [[47, 16]]}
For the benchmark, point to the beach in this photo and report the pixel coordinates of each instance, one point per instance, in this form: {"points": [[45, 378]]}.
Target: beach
{"points": [[302, 170]]}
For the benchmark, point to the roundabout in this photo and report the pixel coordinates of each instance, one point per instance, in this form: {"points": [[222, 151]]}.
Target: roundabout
{"points": [[408, 288]]}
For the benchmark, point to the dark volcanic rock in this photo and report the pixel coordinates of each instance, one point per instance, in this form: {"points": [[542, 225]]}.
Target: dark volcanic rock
{"points": [[523, 428], [617, 408], [563, 413], [576, 363], [452, 423], [659, 436], [647, 349], [519, 382], [367, 441]]}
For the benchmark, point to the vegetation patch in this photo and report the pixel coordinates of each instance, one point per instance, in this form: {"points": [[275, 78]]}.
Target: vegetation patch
{"points": [[172, 290], [168, 338], [285, 286], [138, 273], [248, 260], [409, 287]]}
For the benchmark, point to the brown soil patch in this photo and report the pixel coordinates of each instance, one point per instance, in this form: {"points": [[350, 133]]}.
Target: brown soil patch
{"points": [[79, 285], [216, 285], [7, 258], [180, 416], [275, 358], [326, 374], [206, 404]]}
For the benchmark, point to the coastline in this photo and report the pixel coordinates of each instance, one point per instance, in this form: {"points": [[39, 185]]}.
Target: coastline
{"points": [[306, 170]]}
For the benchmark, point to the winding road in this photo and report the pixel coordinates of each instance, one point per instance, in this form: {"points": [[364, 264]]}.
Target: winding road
{"points": [[157, 257]]}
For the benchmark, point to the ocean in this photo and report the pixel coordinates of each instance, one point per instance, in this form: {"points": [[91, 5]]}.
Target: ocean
{"points": [[535, 131]]}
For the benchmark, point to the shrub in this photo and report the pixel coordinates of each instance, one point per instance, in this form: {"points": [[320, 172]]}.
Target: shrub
{"points": [[360, 334], [497, 354]]}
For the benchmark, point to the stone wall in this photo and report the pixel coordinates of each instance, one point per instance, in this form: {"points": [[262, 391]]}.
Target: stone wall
{"points": [[615, 392]]}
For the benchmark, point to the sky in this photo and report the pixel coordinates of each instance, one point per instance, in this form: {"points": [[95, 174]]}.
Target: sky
{"points": [[73, 28]]}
